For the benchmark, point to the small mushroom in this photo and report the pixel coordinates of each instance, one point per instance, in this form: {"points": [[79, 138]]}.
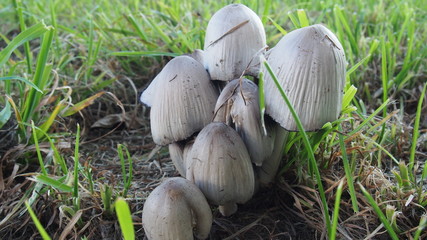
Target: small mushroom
{"points": [[238, 106], [235, 38], [173, 209], [178, 153], [220, 166], [310, 66], [182, 100]]}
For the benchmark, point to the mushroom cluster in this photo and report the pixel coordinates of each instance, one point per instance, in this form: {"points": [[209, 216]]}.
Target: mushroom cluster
{"points": [[205, 107]]}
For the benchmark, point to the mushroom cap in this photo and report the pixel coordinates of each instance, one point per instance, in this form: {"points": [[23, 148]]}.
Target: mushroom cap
{"points": [[172, 208], [238, 105], [183, 102], [310, 65], [178, 153], [234, 41], [220, 165]]}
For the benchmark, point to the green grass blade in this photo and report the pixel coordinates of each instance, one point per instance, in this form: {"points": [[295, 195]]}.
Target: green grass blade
{"points": [[5, 114], [25, 36], [125, 219], [357, 65], [294, 20], [54, 183], [267, 6], [33, 98], [307, 146], [348, 172], [76, 163], [36, 221], [302, 16], [379, 213], [28, 56], [22, 80], [336, 211], [348, 97], [137, 28], [278, 27], [39, 155], [416, 131]]}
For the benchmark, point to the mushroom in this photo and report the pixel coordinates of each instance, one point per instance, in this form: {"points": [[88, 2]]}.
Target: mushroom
{"points": [[238, 106], [178, 153], [235, 38], [220, 166], [310, 66], [267, 172], [182, 100], [173, 209]]}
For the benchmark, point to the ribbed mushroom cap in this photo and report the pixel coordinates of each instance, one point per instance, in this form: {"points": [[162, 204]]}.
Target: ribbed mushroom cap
{"points": [[221, 167], [183, 102], [173, 209], [178, 153], [310, 66], [235, 36], [238, 106]]}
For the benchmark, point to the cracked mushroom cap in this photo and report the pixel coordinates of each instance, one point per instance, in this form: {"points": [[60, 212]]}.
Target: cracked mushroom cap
{"points": [[238, 106], [221, 167], [174, 209], [310, 65], [183, 100], [234, 40]]}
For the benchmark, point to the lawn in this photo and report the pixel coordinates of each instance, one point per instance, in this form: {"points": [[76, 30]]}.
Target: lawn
{"points": [[76, 145]]}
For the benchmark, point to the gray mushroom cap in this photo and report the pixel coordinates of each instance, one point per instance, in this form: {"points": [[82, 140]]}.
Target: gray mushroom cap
{"points": [[234, 41], [238, 106], [221, 167], [179, 155], [183, 102], [310, 66], [173, 209]]}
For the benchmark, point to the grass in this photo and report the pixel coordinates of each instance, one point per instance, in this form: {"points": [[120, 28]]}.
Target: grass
{"points": [[66, 65]]}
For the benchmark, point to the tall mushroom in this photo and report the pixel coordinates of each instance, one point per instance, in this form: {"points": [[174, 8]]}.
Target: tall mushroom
{"points": [[235, 37], [310, 66], [238, 106], [173, 209], [220, 166]]}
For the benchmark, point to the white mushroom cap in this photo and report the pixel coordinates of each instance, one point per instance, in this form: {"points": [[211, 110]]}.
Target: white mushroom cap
{"points": [[234, 38], [173, 209], [183, 102], [310, 66], [178, 153], [239, 103], [221, 167], [268, 170]]}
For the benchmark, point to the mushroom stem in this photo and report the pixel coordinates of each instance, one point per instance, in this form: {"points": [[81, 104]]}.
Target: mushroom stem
{"points": [[228, 209]]}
